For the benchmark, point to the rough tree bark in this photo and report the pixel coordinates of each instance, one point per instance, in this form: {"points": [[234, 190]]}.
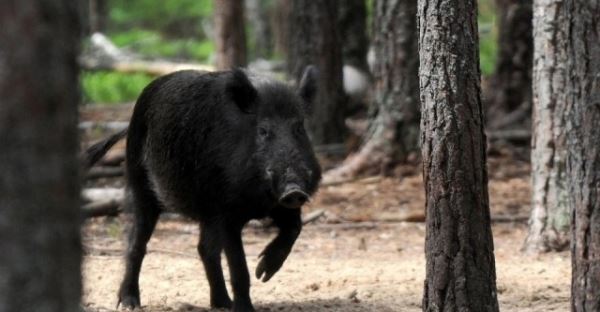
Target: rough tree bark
{"points": [[509, 91], [230, 34], [583, 141], [39, 185], [460, 269], [394, 130], [314, 39], [549, 222], [352, 21]]}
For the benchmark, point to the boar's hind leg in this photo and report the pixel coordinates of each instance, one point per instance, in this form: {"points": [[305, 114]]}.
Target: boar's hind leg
{"points": [[289, 222], [209, 248], [238, 269], [146, 211]]}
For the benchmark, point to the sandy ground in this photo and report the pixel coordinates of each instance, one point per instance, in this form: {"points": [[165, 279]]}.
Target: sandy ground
{"points": [[366, 266], [360, 256]]}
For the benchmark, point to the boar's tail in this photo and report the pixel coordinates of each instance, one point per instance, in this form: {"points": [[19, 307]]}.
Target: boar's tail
{"points": [[95, 152]]}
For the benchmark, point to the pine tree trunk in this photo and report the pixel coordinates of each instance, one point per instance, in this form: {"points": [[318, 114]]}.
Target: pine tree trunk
{"points": [[583, 141], [230, 35], [509, 91], [39, 185], [353, 33], [394, 130], [549, 222], [314, 39], [460, 269]]}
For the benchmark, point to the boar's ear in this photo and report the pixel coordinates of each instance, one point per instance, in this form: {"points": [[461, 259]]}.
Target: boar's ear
{"points": [[240, 90], [307, 88]]}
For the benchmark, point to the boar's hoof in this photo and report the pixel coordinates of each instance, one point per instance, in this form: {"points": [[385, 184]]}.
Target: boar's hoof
{"points": [[129, 303]]}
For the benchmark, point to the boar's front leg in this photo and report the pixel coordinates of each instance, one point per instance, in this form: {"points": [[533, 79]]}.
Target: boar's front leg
{"points": [[238, 269], [289, 223]]}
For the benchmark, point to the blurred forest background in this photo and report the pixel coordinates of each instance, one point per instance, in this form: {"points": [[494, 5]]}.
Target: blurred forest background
{"points": [[183, 31]]}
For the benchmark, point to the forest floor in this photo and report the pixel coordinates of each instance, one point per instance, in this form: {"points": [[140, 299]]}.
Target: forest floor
{"points": [[357, 257]]}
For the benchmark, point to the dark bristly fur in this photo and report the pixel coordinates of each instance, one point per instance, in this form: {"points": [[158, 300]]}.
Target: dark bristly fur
{"points": [[221, 148]]}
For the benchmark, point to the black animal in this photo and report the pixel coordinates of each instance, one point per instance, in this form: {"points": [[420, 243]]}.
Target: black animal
{"points": [[222, 148]]}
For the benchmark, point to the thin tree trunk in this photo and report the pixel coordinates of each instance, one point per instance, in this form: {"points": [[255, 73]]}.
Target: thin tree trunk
{"points": [[583, 159], [230, 35], [509, 90], [394, 130], [549, 222], [460, 269], [314, 39], [352, 21], [39, 185]]}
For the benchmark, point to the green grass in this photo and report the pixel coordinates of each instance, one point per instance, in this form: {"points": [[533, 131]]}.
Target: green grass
{"points": [[111, 87]]}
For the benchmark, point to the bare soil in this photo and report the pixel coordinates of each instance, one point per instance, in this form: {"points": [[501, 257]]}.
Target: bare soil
{"points": [[358, 257]]}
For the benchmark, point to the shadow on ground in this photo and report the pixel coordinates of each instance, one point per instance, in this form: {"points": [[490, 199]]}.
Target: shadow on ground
{"points": [[311, 305]]}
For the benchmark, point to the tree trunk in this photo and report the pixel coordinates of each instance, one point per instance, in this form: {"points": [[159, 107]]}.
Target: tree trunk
{"points": [[259, 17], [314, 39], [39, 205], [583, 158], [352, 23], [549, 222], [281, 27], [460, 269], [230, 34], [98, 11], [509, 91], [394, 130]]}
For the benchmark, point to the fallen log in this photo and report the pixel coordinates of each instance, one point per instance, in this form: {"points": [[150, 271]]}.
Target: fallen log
{"points": [[154, 68], [109, 207], [103, 194], [104, 172]]}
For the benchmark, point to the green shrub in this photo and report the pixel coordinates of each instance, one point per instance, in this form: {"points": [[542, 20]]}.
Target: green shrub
{"points": [[112, 87]]}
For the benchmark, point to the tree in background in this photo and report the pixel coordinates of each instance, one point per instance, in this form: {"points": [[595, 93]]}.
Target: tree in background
{"points": [[230, 34], [509, 92], [39, 205], [549, 221], [313, 39], [582, 32], [259, 20], [460, 269], [394, 129], [352, 22], [281, 27]]}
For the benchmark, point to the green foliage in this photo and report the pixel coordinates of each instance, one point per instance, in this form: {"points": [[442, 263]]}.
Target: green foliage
{"points": [[488, 37], [112, 87], [159, 15], [152, 44]]}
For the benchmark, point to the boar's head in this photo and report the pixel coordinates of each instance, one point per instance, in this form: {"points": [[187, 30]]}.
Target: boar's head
{"points": [[283, 157]]}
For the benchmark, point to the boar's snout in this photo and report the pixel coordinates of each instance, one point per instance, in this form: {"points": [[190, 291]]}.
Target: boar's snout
{"points": [[293, 196]]}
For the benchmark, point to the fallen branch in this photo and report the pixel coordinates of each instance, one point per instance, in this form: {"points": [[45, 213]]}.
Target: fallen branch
{"points": [[109, 207], [313, 216], [154, 68], [112, 126], [103, 194], [113, 159], [104, 172], [510, 135]]}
